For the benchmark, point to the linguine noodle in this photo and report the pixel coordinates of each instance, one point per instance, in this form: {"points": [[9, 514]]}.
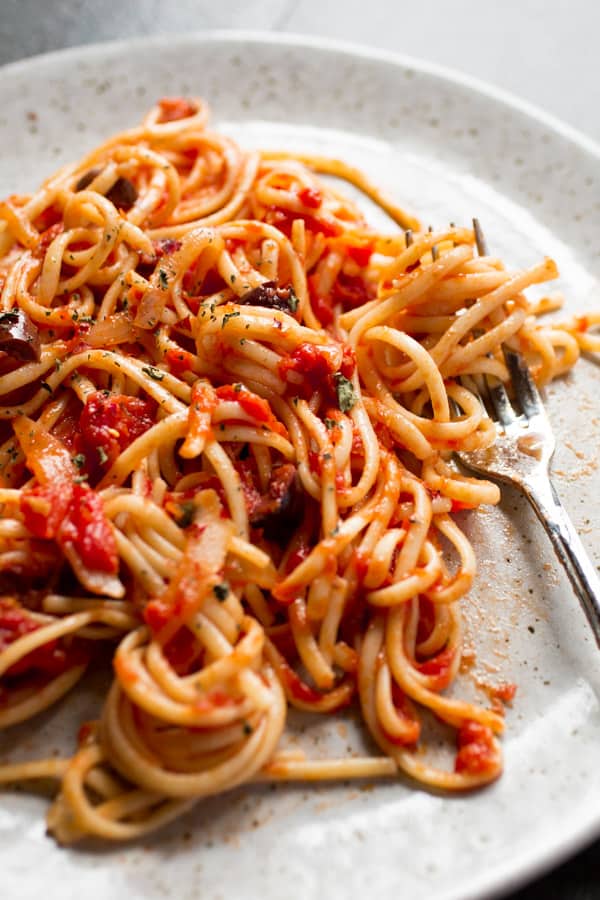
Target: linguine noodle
{"points": [[229, 408]]}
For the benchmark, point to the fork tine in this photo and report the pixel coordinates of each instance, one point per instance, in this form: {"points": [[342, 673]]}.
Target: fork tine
{"points": [[482, 247], [496, 392], [499, 401], [525, 390], [434, 250]]}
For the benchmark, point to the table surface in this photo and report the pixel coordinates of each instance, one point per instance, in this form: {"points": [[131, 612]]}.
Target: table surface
{"points": [[544, 51]]}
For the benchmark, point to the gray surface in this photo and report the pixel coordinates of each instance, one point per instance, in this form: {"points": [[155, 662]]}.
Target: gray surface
{"points": [[546, 52]]}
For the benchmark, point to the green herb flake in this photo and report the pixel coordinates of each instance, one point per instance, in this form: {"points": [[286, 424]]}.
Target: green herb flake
{"points": [[187, 511], [79, 460], [102, 454], [227, 317], [46, 386], [163, 279], [153, 372], [79, 479], [345, 392], [292, 300], [221, 591], [329, 424]]}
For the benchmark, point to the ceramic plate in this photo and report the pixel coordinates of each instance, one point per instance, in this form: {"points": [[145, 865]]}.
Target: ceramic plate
{"points": [[448, 149]]}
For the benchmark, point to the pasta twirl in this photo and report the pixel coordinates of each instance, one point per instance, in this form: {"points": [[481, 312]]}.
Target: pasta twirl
{"points": [[229, 408]]}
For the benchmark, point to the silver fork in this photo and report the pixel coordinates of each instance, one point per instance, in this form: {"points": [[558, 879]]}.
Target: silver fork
{"points": [[521, 456]]}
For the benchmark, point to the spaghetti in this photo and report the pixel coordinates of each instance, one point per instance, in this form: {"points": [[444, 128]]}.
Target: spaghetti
{"points": [[229, 408]]}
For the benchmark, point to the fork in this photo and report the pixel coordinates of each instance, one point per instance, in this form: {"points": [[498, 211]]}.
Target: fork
{"points": [[521, 456]]}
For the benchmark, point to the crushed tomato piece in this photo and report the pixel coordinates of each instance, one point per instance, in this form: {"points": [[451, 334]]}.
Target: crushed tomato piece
{"points": [[315, 362], [174, 108], [476, 752], [179, 361], [112, 422], [439, 668], [72, 514], [253, 405]]}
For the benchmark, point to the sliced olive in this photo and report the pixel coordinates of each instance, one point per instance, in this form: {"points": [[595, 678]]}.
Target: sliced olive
{"points": [[271, 296], [123, 193], [19, 337], [280, 510], [86, 179]]}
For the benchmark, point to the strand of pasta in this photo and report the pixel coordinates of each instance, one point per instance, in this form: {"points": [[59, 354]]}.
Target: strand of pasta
{"points": [[229, 409]]}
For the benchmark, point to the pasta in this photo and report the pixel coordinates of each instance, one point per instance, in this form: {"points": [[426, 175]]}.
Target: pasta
{"points": [[229, 408]]}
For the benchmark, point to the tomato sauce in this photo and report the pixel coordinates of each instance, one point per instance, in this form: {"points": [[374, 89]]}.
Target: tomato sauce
{"points": [[202, 406], [108, 424], [174, 108], [439, 668], [72, 514], [412, 728], [50, 658], [310, 197], [87, 528], [315, 363], [476, 753], [284, 219], [253, 405], [459, 505], [294, 685], [179, 361]]}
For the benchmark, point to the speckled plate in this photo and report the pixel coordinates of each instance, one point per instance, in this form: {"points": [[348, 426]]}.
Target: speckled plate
{"points": [[448, 148]]}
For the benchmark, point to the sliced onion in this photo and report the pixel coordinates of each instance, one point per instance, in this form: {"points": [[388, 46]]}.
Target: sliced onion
{"points": [[118, 329], [151, 309], [94, 580]]}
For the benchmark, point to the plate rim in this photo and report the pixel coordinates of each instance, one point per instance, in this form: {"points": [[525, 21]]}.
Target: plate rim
{"points": [[297, 39], [495, 882]]}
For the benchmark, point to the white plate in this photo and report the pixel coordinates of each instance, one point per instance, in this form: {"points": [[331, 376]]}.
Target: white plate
{"points": [[448, 149]]}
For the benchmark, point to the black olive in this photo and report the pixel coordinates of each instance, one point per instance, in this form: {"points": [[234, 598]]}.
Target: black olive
{"points": [[271, 296], [87, 179], [281, 509], [123, 193], [19, 337]]}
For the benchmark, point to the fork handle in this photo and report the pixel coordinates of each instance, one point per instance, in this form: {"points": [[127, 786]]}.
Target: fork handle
{"points": [[568, 547]]}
